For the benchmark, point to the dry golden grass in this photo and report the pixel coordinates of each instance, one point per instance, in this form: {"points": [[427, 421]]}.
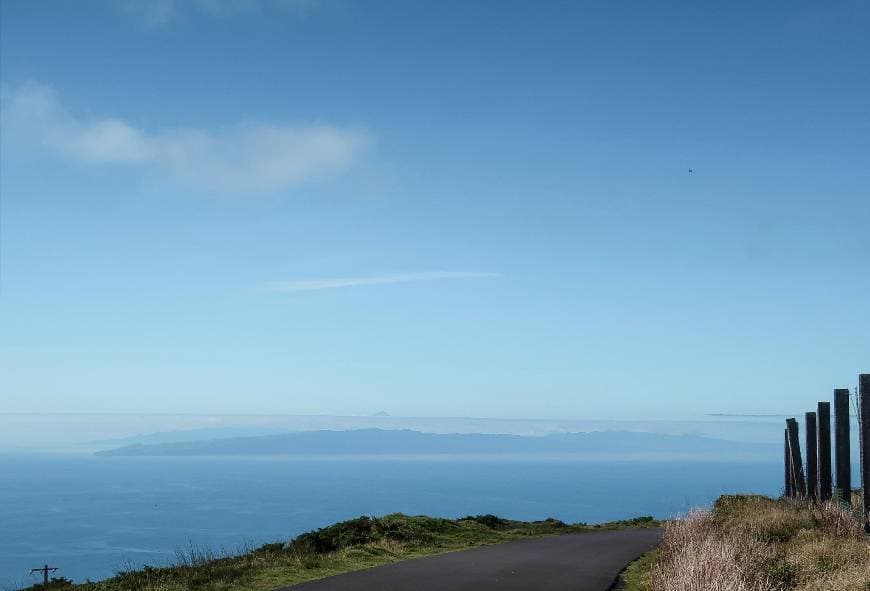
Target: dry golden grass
{"points": [[753, 543], [696, 555], [823, 562]]}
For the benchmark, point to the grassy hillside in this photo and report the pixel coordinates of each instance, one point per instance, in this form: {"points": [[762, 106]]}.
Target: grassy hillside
{"points": [[343, 547], [753, 543]]}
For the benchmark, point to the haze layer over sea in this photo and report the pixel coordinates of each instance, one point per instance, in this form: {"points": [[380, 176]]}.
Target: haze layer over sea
{"points": [[73, 432]]}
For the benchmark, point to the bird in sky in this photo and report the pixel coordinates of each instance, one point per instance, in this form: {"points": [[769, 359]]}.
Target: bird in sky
{"points": [[691, 171]]}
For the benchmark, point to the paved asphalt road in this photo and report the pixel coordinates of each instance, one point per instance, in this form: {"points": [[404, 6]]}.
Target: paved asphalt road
{"points": [[575, 562]]}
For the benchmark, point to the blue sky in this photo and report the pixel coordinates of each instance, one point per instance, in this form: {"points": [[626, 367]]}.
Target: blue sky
{"points": [[433, 208]]}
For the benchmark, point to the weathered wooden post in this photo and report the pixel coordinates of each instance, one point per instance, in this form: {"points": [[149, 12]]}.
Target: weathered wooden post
{"points": [[864, 410], [823, 418], [812, 457], [787, 466], [841, 438], [797, 464]]}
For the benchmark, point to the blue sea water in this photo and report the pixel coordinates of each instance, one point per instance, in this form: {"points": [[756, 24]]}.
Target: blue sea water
{"points": [[92, 516]]}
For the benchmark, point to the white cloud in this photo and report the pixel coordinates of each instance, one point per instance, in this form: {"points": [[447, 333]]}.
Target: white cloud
{"points": [[244, 157], [313, 284]]}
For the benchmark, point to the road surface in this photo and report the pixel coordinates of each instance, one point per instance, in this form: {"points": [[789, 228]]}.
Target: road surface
{"points": [[574, 562]]}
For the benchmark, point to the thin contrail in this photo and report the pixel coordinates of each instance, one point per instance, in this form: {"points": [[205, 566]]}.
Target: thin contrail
{"points": [[314, 284]]}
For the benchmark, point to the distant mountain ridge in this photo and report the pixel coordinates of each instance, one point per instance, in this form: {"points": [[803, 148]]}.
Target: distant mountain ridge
{"points": [[202, 434], [408, 442]]}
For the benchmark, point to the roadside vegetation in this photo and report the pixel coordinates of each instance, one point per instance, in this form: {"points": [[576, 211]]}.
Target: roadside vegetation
{"points": [[754, 543], [636, 576], [343, 547]]}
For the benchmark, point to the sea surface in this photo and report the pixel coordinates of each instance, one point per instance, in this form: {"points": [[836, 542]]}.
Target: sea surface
{"points": [[92, 516]]}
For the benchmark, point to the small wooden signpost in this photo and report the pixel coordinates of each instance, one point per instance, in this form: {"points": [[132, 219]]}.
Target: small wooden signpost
{"points": [[44, 570]]}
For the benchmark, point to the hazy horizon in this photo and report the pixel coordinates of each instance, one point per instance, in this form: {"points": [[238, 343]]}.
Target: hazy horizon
{"points": [[78, 432]]}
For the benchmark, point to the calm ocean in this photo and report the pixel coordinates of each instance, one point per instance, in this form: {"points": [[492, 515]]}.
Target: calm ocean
{"points": [[91, 516]]}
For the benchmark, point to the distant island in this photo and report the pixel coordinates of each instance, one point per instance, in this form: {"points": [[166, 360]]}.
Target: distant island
{"points": [[407, 442]]}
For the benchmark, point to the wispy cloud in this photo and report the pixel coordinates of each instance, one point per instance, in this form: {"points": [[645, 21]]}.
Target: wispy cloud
{"points": [[243, 157], [313, 284], [155, 13]]}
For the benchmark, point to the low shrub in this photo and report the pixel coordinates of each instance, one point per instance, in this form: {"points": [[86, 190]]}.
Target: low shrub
{"points": [[54, 584], [490, 521]]}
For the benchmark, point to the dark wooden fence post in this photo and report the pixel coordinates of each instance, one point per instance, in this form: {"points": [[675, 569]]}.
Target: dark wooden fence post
{"points": [[864, 401], [797, 465], [812, 457], [787, 466], [842, 452], [823, 418]]}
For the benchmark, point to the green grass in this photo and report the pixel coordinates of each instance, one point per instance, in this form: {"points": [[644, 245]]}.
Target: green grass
{"points": [[343, 547], [637, 576]]}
